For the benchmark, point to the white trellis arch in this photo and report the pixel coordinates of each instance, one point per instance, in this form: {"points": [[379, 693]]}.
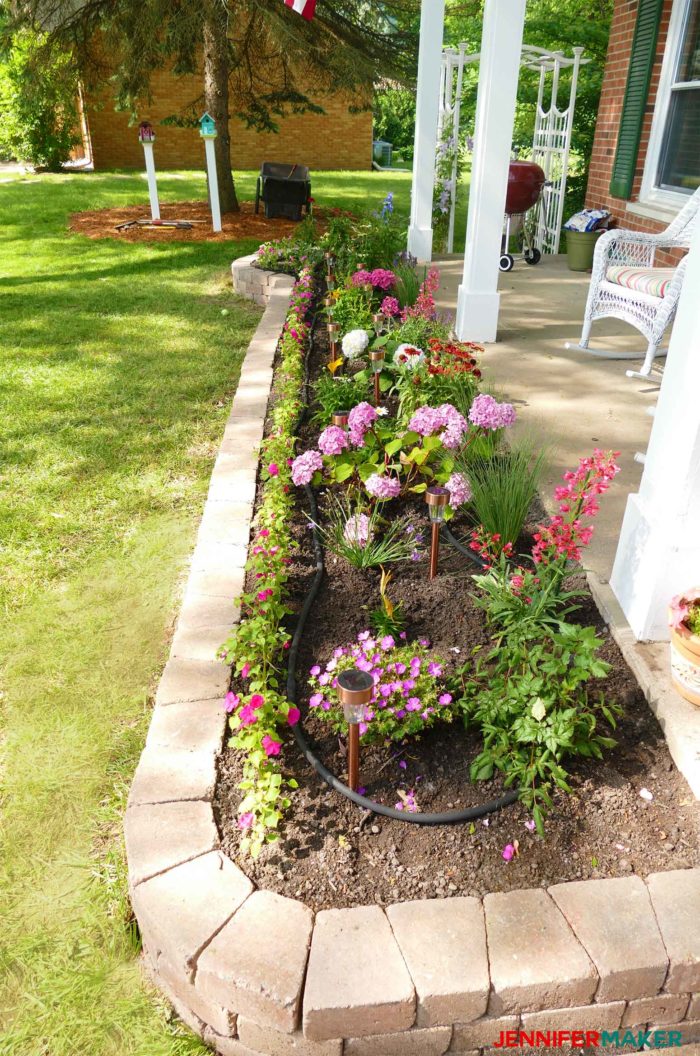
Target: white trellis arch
{"points": [[552, 137]]}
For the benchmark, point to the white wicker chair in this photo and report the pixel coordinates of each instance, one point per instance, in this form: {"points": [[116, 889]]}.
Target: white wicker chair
{"points": [[625, 284]]}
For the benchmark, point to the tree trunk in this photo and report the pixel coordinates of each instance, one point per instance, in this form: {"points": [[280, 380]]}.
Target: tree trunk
{"points": [[216, 71]]}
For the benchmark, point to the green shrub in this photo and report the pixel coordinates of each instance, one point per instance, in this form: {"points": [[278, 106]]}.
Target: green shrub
{"points": [[38, 102], [504, 486]]}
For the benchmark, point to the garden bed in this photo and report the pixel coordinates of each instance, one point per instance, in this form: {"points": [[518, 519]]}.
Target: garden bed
{"points": [[333, 854]]}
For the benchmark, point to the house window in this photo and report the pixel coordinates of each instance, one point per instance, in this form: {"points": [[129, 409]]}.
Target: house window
{"points": [[679, 156], [672, 166]]}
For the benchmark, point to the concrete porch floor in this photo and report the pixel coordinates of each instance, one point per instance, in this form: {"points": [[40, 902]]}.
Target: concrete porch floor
{"points": [[574, 402]]}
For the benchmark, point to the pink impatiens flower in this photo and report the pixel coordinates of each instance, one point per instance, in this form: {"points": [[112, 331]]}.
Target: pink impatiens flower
{"points": [[270, 746], [245, 821], [231, 701], [245, 670], [293, 716], [508, 852], [257, 700], [273, 469]]}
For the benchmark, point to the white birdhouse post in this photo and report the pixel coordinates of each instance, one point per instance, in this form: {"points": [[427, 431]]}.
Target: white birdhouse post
{"points": [[207, 130], [147, 138]]}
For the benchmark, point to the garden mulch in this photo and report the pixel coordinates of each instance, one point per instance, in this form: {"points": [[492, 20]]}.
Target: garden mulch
{"points": [[332, 853], [102, 223]]}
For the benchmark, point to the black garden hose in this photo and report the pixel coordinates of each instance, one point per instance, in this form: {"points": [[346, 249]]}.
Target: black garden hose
{"points": [[445, 818]]}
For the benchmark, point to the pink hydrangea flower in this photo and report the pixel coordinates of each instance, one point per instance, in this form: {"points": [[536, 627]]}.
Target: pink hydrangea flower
{"points": [[383, 487], [360, 419], [333, 440], [357, 529], [487, 413], [304, 467], [428, 420], [270, 746], [459, 489], [390, 306]]}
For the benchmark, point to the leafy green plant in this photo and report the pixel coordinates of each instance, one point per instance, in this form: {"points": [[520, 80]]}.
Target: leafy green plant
{"points": [[38, 92], [339, 392], [368, 540], [504, 486], [529, 697], [352, 308]]}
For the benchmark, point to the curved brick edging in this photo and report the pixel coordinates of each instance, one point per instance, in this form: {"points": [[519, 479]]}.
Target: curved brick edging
{"points": [[254, 973]]}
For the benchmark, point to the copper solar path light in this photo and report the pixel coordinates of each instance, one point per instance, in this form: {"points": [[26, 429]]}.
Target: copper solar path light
{"points": [[378, 320], [355, 690], [437, 499], [376, 358], [340, 418]]}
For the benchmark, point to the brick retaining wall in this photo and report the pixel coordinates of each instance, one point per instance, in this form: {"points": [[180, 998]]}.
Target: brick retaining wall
{"points": [[253, 972]]}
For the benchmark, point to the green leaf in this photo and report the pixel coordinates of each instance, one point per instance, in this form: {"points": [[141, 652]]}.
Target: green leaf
{"points": [[538, 710], [342, 472]]}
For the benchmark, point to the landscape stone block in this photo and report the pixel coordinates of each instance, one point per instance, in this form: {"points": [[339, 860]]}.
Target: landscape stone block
{"points": [[430, 1042], [233, 478], [181, 910], [225, 521], [200, 643], [666, 1008], [194, 726], [184, 680], [273, 1043], [615, 923], [255, 965], [482, 1033], [160, 836], [357, 981], [443, 942], [694, 1007], [536, 960], [221, 583], [203, 610], [210, 555], [589, 1017], [184, 1013], [676, 899], [226, 1046], [185, 999], [165, 775], [689, 1031]]}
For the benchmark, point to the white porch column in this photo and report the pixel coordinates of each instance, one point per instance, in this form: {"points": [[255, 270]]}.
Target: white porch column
{"points": [[658, 554], [420, 231], [499, 67]]}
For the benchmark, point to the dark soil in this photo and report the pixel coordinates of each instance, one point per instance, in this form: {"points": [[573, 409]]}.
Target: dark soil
{"points": [[102, 223], [331, 853]]}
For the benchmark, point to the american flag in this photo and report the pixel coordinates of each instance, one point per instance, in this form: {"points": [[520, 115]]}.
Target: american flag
{"points": [[305, 8]]}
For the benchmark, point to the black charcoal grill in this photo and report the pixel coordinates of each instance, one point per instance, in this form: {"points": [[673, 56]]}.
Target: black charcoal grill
{"points": [[285, 189]]}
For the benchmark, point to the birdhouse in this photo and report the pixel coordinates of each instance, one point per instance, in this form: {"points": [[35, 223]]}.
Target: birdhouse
{"points": [[146, 132], [207, 126]]}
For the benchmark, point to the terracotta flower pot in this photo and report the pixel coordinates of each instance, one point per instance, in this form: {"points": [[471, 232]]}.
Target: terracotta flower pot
{"points": [[685, 659]]}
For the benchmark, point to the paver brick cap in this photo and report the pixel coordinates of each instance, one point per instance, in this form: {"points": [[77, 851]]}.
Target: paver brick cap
{"points": [[536, 960], [159, 836], [676, 900], [443, 942], [255, 965], [604, 914], [357, 982]]}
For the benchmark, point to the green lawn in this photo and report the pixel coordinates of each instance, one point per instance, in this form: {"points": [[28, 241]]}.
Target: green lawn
{"points": [[117, 371]]}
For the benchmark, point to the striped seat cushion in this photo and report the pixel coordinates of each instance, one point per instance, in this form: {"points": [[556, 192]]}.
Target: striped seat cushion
{"points": [[652, 281]]}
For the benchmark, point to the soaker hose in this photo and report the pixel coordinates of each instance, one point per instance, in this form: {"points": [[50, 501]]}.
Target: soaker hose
{"points": [[451, 817]]}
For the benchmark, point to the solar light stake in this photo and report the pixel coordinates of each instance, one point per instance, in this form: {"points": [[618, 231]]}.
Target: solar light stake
{"points": [[333, 331], [378, 320], [340, 418], [355, 690], [376, 362], [334, 350], [437, 499]]}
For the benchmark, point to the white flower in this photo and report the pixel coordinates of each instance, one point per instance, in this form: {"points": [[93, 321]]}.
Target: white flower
{"points": [[381, 411], [355, 343], [409, 356]]}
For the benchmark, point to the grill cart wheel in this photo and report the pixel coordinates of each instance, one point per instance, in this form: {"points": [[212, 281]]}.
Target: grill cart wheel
{"points": [[506, 262], [532, 256]]}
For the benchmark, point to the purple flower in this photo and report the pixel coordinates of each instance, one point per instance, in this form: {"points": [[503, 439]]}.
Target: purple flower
{"points": [[304, 467], [315, 670], [387, 642], [428, 420], [315, 700], [383, 487], [446, 698], [434, 669], [333, 440], [508, 852]]}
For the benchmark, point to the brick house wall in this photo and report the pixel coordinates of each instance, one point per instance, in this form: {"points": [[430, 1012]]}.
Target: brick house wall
{"points": [[609, 113], [337, 139]]}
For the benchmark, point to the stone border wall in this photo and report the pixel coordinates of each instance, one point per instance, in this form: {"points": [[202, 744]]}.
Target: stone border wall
{"points": [[253, 972]]}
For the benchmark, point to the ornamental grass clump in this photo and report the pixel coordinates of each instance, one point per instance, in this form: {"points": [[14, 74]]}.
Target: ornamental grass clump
{"points": [[368, 540], [409, 690]]}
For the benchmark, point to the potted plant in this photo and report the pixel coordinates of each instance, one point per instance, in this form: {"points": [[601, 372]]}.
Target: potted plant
{"points": [[684, 621]]}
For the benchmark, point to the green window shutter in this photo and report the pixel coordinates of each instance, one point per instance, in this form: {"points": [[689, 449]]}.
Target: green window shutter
{"points": [[642, 57]]}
